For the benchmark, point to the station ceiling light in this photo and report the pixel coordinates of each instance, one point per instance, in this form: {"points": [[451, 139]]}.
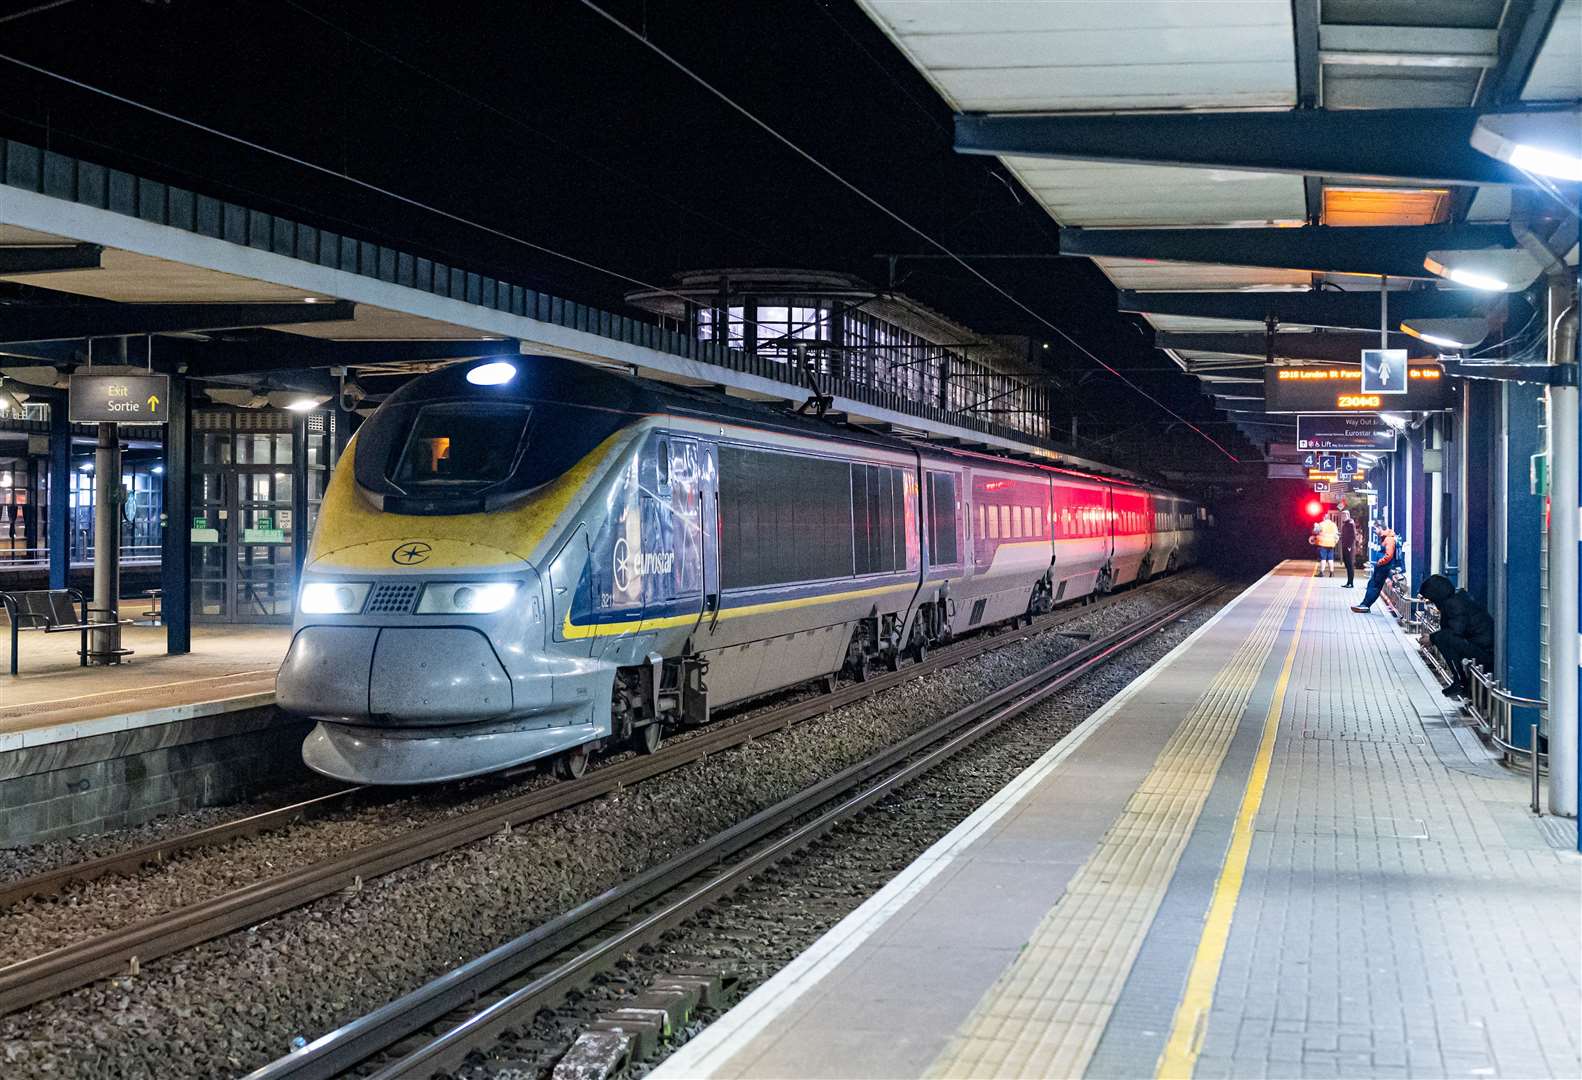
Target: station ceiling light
{"points": [[1546, 142], [296, 402], [1448, 333], [1486, 269], [493, 373]]}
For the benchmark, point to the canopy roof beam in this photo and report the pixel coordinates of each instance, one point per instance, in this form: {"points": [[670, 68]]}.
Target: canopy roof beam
{"points": [[46, 259], [1345, 310], [70, 322], [1389, 250], [1330, 347], [1424, 146]]}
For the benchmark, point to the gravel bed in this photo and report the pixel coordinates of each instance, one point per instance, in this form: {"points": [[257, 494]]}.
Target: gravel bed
{"points": [[233, 1004], [764, 926], [21, 862]]}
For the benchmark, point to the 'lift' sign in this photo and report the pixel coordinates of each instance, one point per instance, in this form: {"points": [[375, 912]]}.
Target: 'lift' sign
{"points": [[121, 399]]}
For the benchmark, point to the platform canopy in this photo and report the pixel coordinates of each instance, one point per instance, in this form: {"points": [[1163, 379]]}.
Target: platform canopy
{"points": [[1214, 158]]}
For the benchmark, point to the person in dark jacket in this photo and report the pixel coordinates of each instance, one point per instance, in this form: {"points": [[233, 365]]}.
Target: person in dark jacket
{"points": [[1383, 567], [1466, 629], [1348, 548]]}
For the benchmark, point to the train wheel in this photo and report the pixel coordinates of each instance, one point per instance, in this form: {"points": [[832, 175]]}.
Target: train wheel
{"points": [[862, 668], [648, 737], [573, 763]]}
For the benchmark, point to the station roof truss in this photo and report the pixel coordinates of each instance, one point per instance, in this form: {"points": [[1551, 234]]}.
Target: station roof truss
{"points": [[238, 296], [1237, 167]]}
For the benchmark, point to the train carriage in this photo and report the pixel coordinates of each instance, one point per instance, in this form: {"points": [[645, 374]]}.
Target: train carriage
{"points": [[524, 560]]}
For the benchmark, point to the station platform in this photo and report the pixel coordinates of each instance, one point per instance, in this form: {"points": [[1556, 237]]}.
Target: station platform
{"points": [[1275, 854], [83, 749]]}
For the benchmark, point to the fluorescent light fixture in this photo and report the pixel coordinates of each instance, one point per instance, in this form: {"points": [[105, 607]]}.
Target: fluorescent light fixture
{"points": [[1485, 269], [1543, 141], [1447, 333], [494, 373], [158, 470], [296, 400], [314, 300], [86, 466]]}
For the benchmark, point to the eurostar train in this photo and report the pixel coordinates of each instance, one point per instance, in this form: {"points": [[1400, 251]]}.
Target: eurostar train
{"points": [[528, 560]]}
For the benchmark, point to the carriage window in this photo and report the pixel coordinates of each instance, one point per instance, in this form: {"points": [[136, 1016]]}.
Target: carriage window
{"points": [[942, 519], [784, 518], [662, 463], [878, 514]]}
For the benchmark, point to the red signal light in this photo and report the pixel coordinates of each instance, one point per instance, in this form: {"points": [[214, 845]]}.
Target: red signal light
{"points": [[1315, 509]]}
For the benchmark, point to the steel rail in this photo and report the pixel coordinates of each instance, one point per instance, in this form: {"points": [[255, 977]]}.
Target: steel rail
{"points": [[385, 1027], [53, 882], [50, 974]]}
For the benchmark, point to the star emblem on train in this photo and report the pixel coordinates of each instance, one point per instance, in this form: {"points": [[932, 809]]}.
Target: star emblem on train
{"points": [[410, 553]]}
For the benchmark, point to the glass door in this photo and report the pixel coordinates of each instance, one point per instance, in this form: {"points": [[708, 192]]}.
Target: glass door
{"points": [[262, 546]]}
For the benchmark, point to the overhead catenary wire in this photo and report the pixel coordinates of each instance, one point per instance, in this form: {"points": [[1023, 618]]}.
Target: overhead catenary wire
{"points": [[770, 130], [491, 230]]}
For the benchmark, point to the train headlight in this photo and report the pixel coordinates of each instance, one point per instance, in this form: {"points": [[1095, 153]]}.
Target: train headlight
{"points": [[333, 597], [466, 597]]}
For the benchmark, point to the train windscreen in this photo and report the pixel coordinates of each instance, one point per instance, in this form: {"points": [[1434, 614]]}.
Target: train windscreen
{"points": [[463, 445]]}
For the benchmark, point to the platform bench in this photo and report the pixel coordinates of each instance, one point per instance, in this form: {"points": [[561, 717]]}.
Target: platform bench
{"points": [[54, 611]]}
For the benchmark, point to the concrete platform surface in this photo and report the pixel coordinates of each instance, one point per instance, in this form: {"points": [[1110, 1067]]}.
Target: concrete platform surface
{"points": [[1275, 854], [53, 698]]}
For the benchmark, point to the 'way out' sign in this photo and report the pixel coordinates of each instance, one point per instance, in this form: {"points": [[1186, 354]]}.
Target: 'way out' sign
{"points": [[124, 399]]}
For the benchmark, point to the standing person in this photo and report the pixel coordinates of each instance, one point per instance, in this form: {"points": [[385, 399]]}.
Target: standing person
{"points": [[1327, 536], [1348, 548], [1466, 630], [1389, 557]]}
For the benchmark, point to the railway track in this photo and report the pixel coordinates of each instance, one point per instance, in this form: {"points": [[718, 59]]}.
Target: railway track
{"points": [[435, 1028], [59, 971]]}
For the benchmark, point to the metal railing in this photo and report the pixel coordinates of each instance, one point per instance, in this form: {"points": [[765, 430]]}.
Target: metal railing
{"points": [[22, 558], [1492, 708]]}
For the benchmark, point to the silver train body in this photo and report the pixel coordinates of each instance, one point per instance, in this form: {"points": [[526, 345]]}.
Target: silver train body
{"points": [[529, 561]]}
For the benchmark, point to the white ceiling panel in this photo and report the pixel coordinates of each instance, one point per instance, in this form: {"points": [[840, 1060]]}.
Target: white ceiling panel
{"points": [[1151, 274], [1101, 193], [1145, 86], [1557, 71], [1013, 55], [1189, 324]]}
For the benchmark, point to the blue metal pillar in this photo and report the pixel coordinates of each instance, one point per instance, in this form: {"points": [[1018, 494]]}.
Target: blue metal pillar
{"points": [[176, 565], [59, 541], [1417, 550], [1480, 433], [1524, 525]]}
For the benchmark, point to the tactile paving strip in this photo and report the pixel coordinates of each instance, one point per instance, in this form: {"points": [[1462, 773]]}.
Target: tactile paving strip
{"points": [[1046, 1013]]}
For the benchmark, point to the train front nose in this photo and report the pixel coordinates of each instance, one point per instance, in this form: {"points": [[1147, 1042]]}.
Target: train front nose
{"points": [[404, 652]]}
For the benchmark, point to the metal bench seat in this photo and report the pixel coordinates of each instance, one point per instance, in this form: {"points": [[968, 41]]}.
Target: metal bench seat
{"points": [[53, 611]]}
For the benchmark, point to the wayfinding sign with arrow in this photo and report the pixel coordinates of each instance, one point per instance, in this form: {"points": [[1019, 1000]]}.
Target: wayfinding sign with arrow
{"points": [[122, 399]]}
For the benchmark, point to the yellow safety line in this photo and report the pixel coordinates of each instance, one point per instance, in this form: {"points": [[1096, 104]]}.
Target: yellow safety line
{"points": [[1191, 1020]]}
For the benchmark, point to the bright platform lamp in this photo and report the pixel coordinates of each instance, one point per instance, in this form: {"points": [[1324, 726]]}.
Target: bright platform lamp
{"points": [[1485, 269], [1545, 142], [1454, 334]]}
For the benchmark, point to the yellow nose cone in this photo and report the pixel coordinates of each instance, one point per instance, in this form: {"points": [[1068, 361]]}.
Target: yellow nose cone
{"points": [[415, 553]]}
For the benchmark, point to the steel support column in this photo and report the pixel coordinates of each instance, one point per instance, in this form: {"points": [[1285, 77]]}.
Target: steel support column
{"points": [[1522, 530], [59, 538], [175, 572], [104, 646], [1561, 726]]}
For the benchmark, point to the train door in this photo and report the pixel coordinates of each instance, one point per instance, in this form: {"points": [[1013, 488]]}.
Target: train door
{"points": [[709, 534], [673, 554]]}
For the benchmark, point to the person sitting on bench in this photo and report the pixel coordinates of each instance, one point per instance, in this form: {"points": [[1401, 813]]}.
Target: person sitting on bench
{"points": [[1466, 630]]}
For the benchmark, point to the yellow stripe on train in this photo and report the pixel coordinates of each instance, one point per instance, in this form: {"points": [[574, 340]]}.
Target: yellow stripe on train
{"points": [[353, 534], [570, 629]]}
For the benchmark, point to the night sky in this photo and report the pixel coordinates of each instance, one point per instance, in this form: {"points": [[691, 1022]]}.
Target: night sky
{"points": [[543, 121]]}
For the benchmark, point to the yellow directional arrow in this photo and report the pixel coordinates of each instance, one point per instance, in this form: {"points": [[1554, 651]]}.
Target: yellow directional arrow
{"points": [[153, 402]]}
